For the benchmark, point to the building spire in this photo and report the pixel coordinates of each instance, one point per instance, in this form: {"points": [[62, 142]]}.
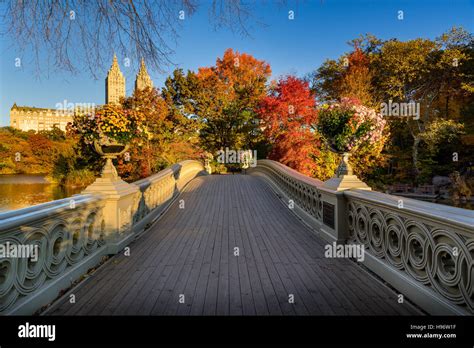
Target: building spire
{"points": [[115, 66], [114, 83], [143, 80]]}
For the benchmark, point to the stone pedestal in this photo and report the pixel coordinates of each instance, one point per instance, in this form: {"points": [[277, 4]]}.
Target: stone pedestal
{"points": [[121, 202], [207, 166], [345, 178], [345, 182]]}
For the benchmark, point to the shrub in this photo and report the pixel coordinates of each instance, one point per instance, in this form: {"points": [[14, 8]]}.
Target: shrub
{"points": [[79, 177]]}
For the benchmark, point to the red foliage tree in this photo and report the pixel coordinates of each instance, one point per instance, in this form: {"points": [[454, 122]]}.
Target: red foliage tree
{"points": [[286, 116]]}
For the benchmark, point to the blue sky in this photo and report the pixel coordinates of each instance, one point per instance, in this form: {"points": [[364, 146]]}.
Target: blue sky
{"points": [[320, 30]]}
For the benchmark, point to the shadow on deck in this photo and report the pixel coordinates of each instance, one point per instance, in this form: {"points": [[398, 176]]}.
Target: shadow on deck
{"points": [[186, 263]]}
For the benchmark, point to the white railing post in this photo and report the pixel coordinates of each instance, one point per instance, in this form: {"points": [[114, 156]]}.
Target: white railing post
{"points": [[83, 229], [422, 249], [344, 179], [120, 202]]}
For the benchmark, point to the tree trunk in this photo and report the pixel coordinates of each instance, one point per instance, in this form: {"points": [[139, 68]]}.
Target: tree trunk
{"points": [[447, 107], [416, 143]]}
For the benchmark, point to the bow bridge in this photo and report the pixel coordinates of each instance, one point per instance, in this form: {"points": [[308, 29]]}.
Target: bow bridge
{"points": [[182, 242]]}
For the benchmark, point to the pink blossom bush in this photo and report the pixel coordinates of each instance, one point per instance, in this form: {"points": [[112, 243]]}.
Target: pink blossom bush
{"points": [[348, 125]]}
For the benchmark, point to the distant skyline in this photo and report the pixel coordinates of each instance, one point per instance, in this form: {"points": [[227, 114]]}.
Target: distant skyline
{"points": [[319, 30]]}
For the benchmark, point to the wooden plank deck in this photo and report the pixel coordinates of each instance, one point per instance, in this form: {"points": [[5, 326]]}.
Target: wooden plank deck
{"points": [[191, 252]]}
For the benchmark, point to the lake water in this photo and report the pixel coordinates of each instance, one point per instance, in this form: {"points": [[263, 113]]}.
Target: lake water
{"points": [[20, 190]]}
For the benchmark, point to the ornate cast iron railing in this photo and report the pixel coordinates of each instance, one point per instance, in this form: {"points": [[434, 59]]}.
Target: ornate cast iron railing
{"points": [[424, 250], [72, 237], [301, 189], [432, 243]]}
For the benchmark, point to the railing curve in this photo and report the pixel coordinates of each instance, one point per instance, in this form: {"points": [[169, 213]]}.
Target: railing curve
{"points": [[423, 249], [71, 237]]}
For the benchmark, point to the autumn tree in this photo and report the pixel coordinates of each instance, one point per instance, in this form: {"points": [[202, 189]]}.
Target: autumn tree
{"points": [[435, 74], [426, 72], [170, 133], [350, 75], [143, 154], [227, 98], [286, 115], [356, 80], [453, 73], [34, 153]]}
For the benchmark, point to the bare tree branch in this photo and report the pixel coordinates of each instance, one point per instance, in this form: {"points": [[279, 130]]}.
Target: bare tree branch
{"points": [[73, 35]]}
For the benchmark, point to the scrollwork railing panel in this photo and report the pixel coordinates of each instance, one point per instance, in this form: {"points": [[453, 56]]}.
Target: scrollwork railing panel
{"points": [[62, 234], [434, 245], [303, 190], [69, 237]]}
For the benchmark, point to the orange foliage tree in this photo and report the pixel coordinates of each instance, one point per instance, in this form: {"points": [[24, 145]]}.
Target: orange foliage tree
{"points": [[227, 97], [356, 80], [154, 151], [144, 153]]}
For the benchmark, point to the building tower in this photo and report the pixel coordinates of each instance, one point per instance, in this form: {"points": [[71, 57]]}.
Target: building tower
{"points": [[114, 84], [143, 80]]}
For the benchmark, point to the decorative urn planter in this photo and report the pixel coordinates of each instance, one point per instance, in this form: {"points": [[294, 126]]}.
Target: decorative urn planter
{"points": [[344, 177], [344, 167], [108, 130], [344, 127], [109, 150]]}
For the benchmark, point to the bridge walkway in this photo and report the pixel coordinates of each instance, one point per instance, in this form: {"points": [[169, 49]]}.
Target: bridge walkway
{"points": [[228, 246]]}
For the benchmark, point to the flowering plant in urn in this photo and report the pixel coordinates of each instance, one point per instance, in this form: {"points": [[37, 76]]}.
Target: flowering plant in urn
{"points": [[109, 129], [109, 124], [347, 125]]}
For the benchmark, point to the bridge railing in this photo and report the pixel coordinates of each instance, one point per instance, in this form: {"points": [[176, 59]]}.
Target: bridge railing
{"points": [[412, 242], [73, 235], [160, 188], [422, 249], [320, 207]]}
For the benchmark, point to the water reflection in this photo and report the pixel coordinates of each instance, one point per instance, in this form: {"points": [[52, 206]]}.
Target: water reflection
{"points": [[20, 191], [459, 204]]}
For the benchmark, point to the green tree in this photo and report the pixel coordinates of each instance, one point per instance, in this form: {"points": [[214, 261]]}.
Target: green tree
{"points": [[180, 93], [441, 140], [325, 81]]}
